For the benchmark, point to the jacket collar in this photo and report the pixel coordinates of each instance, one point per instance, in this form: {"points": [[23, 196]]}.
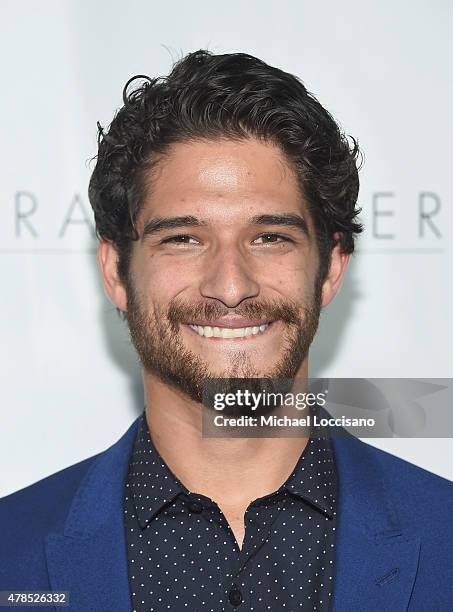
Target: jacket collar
{"points": [[376, 559]]}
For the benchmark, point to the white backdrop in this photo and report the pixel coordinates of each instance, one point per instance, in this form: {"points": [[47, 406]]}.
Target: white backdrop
{"points": [[70, 382]]}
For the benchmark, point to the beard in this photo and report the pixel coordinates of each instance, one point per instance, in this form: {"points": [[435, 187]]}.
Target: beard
{"points": [[156, 336]]}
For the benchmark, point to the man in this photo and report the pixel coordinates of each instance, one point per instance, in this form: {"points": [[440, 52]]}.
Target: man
{"points": [[225, 202]]}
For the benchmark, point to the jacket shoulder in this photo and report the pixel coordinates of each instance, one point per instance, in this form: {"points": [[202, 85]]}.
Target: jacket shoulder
{"points": [[423, 498], [396, 466], [30, 514], [44, 504], [27, 516]]}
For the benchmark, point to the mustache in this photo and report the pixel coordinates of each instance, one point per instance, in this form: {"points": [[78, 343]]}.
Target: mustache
{"points": [[181, 311]]}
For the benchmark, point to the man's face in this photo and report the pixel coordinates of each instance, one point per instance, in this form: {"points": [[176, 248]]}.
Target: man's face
{"points": [[222, 280]]}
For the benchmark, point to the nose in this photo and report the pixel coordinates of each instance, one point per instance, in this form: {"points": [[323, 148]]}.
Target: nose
{"points": [[229, 278]]}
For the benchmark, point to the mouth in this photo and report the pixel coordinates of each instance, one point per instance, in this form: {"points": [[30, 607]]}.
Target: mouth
{"points": [[223, 332]]}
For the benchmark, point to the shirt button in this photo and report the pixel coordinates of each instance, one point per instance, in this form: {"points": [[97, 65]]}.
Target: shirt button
{"points": [[235, 597], [195, 507]]}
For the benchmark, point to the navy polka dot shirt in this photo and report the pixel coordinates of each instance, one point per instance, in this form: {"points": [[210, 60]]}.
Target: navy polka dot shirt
{"points": [[182, 554]]}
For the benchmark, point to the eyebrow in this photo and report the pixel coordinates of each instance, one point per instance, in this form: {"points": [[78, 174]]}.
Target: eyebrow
{"points": [[293, 220], [160, 224]]}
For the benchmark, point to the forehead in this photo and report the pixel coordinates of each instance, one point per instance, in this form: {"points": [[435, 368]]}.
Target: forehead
{"points": [[218, 178]]}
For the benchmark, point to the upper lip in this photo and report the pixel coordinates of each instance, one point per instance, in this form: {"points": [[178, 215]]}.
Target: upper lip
{"points": [[231, 322]]}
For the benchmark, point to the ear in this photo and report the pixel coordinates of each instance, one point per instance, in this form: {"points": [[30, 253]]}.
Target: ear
{"points": [[108, 264], [332, 282]]}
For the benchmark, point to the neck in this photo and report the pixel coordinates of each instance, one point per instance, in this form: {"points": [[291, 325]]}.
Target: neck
{"points": [[230, 471]]}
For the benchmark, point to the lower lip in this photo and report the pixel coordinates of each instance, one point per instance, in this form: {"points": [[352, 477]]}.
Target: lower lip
{"points": [[240, 339]]}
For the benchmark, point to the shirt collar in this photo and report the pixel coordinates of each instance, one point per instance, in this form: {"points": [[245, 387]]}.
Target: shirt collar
{"points": [[314, 477], [150, 481], [153, 485]]}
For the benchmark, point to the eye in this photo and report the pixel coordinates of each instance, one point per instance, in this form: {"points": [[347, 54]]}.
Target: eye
{"points": [[271, 238], [180, 239]]}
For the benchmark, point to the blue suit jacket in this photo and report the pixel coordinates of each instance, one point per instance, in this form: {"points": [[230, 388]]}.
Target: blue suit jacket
{"points": [[394, 535]]}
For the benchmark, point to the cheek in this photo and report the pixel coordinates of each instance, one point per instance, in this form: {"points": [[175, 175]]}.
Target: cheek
{"points": [[159, 281], [295, 279], [305, 272]]}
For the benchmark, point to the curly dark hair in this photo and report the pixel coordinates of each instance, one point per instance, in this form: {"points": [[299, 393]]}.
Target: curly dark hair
{"points": [[237, 96]]}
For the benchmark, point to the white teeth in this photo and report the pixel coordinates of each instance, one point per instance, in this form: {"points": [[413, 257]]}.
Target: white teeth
{"points": [[228, 332]]}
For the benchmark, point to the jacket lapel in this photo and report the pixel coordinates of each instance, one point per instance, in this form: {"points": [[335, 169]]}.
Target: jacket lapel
{"points": [[89, 558], [376, 559]]}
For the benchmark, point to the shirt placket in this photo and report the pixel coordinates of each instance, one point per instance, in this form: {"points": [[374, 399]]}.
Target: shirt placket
{"points": [[259, 519], [209, 510]]}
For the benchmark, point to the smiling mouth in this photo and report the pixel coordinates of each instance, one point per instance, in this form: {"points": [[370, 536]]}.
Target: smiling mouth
{"points": [[230, 332]]}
